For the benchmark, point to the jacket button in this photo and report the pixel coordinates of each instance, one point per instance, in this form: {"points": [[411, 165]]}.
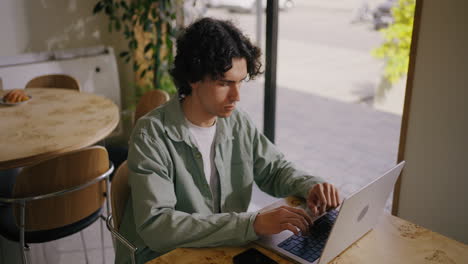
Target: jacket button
{"points": [[198, 155]]}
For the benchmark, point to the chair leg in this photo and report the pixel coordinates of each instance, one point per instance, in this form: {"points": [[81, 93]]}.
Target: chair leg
{"points": [[26, 254], [102, 243], [84, 247], [25, 257]]}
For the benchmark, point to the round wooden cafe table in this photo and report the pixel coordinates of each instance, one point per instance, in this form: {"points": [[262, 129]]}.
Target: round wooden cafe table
{"points": [[52, 122]]}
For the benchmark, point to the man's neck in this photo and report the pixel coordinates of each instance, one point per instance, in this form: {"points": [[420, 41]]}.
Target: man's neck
{"points": [[192, 112]]}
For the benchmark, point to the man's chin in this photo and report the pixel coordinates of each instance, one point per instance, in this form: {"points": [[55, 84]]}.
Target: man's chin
{"points": [[225, 114]]}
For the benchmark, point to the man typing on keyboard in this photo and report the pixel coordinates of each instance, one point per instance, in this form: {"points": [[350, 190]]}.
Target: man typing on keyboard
{"points": [[194, 160], [321, 198]]}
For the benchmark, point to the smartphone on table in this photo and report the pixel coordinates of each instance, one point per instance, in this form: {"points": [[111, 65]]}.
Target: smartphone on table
{"points": [[252, 256]]}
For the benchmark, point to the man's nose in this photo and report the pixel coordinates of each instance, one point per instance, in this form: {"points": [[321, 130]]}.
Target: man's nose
{"points": [[235, 92]]}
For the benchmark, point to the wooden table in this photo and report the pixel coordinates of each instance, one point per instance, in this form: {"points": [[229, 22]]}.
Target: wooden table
{"points": [[54, 121], [394, 240]]}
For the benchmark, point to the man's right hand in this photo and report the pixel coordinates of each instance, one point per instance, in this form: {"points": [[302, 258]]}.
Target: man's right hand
{"points": [[280, 219]]}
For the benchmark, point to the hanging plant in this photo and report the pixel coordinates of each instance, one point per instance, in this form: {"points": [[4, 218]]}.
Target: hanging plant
{"points": [[149, 27]]}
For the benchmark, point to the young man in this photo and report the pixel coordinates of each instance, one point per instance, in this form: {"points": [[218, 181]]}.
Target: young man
{"points": [[194, 160]]}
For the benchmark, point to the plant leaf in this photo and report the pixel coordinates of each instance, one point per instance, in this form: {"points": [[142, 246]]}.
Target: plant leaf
{"points": [[143, 73], [148, 47], [98, 7], [124, 4], [148, 26], [108, 10], [133, 44]]}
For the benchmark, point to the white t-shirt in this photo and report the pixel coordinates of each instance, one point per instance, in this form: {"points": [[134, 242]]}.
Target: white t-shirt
{"points": [[204, 137]]}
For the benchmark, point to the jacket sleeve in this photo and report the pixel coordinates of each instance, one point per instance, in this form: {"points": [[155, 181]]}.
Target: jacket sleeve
{"points": [[163, 228], [274, 174]]}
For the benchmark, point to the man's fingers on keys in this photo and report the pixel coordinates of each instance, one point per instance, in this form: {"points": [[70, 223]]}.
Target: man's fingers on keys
{"points": [[298, 223], [321, 196], [323, 209], [318, 199], [290, 227], [313, 207], [300, 212], [314, 210], [331, 202], [328, 189], [334, 200]]}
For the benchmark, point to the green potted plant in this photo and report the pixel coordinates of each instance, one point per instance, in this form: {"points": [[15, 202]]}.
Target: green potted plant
{"points": [[149, 26]]}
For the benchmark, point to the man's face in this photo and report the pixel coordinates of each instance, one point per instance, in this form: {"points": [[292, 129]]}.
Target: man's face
{"points": [[218, 98]]}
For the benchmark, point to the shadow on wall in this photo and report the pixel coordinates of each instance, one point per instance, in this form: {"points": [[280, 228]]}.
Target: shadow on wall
{"points": [[58, 24]]}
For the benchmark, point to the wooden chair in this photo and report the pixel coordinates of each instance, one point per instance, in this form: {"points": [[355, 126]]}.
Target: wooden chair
{"points": [[57, 198], [149, 101], [54, 81], [119, 196]]}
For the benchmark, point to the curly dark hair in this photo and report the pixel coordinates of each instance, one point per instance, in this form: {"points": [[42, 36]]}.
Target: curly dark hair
{"points": [[206, 49]]}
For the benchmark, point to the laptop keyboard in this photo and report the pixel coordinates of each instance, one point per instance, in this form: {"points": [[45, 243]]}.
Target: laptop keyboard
{"points": [[310, 247]]}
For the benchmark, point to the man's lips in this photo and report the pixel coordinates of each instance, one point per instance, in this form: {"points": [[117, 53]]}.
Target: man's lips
{"points": [[229, 107]]}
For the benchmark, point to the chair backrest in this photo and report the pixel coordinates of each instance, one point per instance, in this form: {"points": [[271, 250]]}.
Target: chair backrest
{"points": [[54, 81], [149, 101], [119, 193], [59, 173]]}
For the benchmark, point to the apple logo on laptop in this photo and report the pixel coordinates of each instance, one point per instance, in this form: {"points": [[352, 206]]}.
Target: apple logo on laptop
{"points": [[363, 213]]}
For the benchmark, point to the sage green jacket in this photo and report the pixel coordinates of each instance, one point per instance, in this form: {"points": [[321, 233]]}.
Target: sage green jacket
{"points": [[171, 203]]}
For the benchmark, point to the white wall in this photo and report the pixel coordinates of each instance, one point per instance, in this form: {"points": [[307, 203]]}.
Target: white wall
{"points": [[44, 25], [434, 188], [12, 27]]}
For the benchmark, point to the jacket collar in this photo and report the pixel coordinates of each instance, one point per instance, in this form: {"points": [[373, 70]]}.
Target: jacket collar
{"points": [[223, 130], [177, 128]]}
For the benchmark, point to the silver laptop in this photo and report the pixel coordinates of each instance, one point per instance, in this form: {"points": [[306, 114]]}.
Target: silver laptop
{"points": [[335, 231]]}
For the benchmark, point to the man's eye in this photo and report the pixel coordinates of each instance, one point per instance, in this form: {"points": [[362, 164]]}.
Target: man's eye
{"points": [[224, 83]]}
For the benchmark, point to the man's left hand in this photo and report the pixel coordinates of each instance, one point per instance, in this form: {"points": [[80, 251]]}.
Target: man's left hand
{"points": [[322, 197]]}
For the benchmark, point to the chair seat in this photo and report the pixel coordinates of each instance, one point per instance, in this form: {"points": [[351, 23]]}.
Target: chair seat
{"points": [[10, 231]]}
